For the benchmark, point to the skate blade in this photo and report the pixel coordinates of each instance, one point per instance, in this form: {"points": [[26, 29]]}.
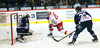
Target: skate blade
{"points": [[49, 36], [70, 44], [95, 41]]}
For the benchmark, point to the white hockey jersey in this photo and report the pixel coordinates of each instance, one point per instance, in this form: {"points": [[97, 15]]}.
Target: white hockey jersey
{"points": [[54, 18], [84, 16]]}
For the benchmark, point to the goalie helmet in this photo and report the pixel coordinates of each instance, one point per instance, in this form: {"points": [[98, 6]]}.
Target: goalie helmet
{"points": [[78, 8], [26, 15]]}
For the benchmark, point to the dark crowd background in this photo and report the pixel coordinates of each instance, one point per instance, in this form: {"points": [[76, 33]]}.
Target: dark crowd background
{"points": [[36, 3]]}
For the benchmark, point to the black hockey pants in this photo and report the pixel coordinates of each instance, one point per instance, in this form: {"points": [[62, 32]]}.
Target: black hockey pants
{"points": [[86, 24]]}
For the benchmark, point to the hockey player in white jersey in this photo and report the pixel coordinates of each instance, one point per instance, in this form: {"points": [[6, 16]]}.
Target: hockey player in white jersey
{"points": [[56, 22], [83, 20]]}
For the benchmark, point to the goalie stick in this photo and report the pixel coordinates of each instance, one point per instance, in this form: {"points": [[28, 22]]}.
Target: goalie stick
{"points": [[70, 34]]}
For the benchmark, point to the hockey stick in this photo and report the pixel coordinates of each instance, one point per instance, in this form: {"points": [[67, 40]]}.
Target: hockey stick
{"points": [[70, 34]]}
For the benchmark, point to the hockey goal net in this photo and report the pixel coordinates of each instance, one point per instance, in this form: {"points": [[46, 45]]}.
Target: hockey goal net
{"points": [[8, 24]]}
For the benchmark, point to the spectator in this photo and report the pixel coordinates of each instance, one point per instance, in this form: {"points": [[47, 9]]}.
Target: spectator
{"points": [[38, 2], [16, 6], [98, 2], [42, 2], [64, 1], [3, 5], [86, 5], [9, 6], [26, 5], [70, 2], [54, 3], [46, 3], [60, 3], [30, 4], [33, 3], [77, 4], [92, 2], [50, 3]]}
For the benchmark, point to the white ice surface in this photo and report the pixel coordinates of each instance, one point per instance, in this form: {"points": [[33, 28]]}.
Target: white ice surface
{"points": [[42, 41]]}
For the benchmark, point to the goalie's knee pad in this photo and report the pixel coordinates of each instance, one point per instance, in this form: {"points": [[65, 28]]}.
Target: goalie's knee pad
{"points": [[51, 29]]}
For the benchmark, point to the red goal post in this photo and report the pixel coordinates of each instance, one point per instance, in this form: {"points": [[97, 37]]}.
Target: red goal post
{"points": [[8, 24], [12, 26]]}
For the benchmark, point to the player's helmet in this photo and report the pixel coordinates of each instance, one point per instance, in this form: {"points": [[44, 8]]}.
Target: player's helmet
{"points": [[78, 8], [49, 10], [27, 15]]}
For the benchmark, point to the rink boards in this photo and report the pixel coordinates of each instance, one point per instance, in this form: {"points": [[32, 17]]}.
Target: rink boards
{"points": [[39, 23]]}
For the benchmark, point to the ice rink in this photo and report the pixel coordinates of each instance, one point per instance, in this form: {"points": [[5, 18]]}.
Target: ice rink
{"points": [[42, 41]]}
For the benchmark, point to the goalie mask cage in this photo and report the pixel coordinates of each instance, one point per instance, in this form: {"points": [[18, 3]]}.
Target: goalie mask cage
{"points": [[8, 24]]}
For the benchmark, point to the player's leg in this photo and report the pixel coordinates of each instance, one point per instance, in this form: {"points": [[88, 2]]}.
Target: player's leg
{"points": [[26, 31], [19, 36], [61, 29], [89, 28], [23, 35], [74, 37], [77, 32], [50, 29]]}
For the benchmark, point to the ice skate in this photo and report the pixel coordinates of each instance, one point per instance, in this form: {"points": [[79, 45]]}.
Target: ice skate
{"points": [[18, 37], [95, 39], [50, 34], [72, 43], [20, 40]]}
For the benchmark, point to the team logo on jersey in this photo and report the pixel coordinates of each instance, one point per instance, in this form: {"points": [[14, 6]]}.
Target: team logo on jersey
{"points": [[60, 27]]}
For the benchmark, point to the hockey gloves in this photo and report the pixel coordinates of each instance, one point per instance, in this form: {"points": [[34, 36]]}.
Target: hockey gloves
{"points": [[78, 26]]}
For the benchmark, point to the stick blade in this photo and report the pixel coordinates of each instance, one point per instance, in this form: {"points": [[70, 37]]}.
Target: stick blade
{"points": [[55, 39]]}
